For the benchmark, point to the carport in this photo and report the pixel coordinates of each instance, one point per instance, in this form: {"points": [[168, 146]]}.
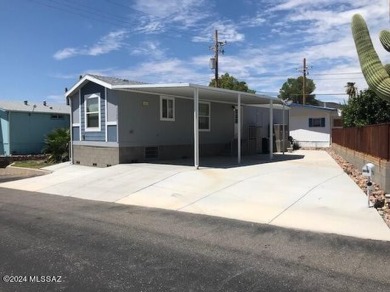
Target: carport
{"points": [[205, 93]]}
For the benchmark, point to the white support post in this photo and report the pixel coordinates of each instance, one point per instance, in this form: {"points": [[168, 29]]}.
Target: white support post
{"points": [[271, 130], [239, 129], [284, 138], [196, 128], [71, 129]]}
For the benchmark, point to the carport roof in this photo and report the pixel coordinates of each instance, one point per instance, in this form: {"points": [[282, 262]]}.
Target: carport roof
{"points": [[183, 90]]}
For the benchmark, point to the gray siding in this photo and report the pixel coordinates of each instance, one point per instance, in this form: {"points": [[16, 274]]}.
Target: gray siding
{"points": [[75, 108], [91, 88], [140, 124], [112, 134], [75, 133], [259, 116], [112, 106]]}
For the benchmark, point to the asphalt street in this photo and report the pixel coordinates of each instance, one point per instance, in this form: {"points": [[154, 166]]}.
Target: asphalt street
{"points": [[55, 243]]}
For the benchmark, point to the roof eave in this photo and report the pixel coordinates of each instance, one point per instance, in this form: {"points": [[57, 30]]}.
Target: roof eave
{"points": [[203, 87], [84, 80]]}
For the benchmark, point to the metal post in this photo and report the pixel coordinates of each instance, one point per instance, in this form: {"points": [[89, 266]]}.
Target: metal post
{"points": [[196, 128], [368, 186], [271, 130], [71, 131], [284, 138], [239, 129]]}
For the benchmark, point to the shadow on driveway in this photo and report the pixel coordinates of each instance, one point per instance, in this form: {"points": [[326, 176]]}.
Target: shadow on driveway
{"points": [[226, 162]]}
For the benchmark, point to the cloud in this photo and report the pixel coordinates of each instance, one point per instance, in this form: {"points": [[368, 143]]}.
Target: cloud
{"points": [[110, 42], [157, 15], [227, 31], [149, 48], [66, 53]]}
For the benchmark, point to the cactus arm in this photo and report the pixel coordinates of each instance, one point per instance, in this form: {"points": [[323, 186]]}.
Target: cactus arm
{"points": [[384, 37], [387, 68], [375, 74]]}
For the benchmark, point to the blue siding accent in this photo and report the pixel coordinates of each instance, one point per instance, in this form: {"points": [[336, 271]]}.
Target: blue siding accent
{"points": [[91, 88], [75, 133], [4, 133], [112, 134], [28, 131]]}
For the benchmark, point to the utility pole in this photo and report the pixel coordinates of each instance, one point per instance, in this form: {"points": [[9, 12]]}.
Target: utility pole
{"points": [[217, 48], [305, 71]]}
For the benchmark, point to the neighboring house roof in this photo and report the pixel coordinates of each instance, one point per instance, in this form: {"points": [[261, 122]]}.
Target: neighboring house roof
{"points": [[186, 90], [21, 106], [314, 107], [330, 104], [114, 80]]}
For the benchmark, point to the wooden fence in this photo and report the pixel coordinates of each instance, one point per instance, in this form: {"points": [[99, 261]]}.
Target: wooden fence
{"points": [[373, 140]]}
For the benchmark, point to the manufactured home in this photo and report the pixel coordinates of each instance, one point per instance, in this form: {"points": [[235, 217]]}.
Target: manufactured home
{"points": [[116, 121]]}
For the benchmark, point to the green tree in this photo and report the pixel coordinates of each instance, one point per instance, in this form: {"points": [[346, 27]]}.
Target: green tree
{"points": [[365, 109], [57, 145], [229, 82], [292, 89]]}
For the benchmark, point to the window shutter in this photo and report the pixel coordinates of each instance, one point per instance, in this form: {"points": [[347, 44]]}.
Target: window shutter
{"points": [[323, 122], [310, 122]]}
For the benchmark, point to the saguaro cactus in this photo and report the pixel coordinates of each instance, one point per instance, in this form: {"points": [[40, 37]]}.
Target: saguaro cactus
{"points": [[376, 75]]}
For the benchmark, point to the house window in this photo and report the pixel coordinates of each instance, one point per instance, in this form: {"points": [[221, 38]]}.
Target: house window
{"points": [[316, 122], [92, 112], [167, 108], [204, 116], [57, 117]]}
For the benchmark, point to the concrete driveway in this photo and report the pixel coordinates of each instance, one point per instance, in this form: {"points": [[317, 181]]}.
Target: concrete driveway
{"points": [[307, 190]]}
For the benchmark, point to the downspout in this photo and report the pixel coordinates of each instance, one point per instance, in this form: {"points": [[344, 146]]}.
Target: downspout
{"points": [[9, 133], [196, 128], [71, 130]]}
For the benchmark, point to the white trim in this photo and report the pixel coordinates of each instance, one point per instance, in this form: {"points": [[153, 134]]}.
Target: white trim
{"points": [[76, 125], [84, 80], [105, 113], [80, 105], [112, 123], [71, 101], [96, 143], [196, 128], [165, 97], [209, 116], [92, 129]]}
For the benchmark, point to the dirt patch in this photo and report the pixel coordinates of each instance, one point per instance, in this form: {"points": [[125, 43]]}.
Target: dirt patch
{"points": [[377, 197], [15, 173]]}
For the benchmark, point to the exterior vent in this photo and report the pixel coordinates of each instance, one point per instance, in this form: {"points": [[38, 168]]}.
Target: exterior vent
{"points": [[151, 152]]}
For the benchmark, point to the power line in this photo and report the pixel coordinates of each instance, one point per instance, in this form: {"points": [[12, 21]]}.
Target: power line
{"points": [[342, 73], [82, 12]]}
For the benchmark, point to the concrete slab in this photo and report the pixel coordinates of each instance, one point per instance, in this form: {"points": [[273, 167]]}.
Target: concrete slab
{"points": [[307, 190]]}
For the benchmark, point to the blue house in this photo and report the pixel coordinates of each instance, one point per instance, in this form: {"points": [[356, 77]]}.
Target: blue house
{"points": [[24, 125], [119, 121]]}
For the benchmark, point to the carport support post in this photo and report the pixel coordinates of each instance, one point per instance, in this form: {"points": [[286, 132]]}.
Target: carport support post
{"points": [[239, 129], [271, 130], [196, 128]]}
